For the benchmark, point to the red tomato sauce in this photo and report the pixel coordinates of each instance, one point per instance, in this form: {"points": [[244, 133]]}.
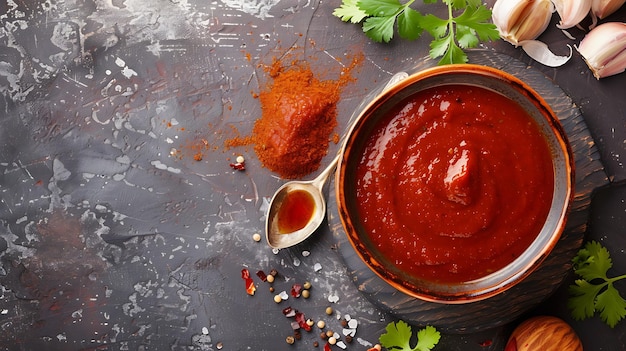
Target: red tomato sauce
{"points": [[454, 183]]}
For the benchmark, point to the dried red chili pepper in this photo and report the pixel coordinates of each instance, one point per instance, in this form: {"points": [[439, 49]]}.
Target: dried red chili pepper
{"points": [[238, 166], [301, 319], [327, 347], [245, 275], [289, 312], [296, 290], [250, 288], [261, 275]]}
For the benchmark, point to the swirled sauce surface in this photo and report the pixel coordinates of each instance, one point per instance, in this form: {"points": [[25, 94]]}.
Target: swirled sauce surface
{"points": [[454, 183]]}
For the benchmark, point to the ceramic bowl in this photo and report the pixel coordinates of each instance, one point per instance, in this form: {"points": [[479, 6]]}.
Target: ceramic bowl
{"points": [[370, 114]]}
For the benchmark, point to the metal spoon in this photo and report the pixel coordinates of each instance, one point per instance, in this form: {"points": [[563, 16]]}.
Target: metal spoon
{"points": [[314, 187], [280, 240]]}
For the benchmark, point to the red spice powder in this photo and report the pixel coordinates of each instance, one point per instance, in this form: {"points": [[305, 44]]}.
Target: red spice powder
{"points": [[299, 114]]}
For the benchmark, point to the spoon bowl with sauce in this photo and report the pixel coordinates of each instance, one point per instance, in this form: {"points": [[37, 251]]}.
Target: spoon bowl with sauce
{"points": [[297, 210]]}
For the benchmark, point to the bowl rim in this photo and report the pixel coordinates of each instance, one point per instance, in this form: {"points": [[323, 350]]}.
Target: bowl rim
{"points": [[468, 291]]}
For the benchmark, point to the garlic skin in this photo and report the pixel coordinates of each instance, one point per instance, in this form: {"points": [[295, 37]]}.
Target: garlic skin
{"points": [[520, 20], [604, 49], [603, 8], [571, 12]]}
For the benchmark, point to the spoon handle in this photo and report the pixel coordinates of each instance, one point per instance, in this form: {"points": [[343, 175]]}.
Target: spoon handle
{"points": [[320, 180]]}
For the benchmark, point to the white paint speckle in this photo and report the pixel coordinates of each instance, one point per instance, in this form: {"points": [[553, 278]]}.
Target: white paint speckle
{"points": [[119, 62]]}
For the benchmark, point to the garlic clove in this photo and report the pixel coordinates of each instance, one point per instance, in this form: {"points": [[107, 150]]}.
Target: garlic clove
{"points": [[604, 49], [603, 8], [519, 20], [572, 12], [540, 52]]}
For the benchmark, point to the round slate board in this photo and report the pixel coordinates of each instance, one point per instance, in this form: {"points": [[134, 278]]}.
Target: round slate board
{"points": [[503, 308]]}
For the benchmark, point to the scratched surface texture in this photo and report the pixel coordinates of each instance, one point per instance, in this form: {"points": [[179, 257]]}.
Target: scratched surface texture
{"points": [[122, 225]]}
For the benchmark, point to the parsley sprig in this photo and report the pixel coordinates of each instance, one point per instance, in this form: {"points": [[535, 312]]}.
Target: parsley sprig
{"points": [[398, 337], [595, 291], [465, 27]]}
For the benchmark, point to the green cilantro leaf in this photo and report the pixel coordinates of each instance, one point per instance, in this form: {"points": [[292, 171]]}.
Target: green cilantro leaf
{"points": [[398, 337], [582, 300], [611, 306], [434, 25], [476, 18], [379, 29], [593, 262], [409, 24], [349, 11], [427, 338], [380, 8], [466, 37], [595, 292], [379, 26], [454, 54]]}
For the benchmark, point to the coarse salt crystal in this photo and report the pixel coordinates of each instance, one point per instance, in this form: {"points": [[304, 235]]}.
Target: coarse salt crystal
{"points": [[353, 323], [205, 331], [349, 332], [341, 344], [283, 295], [306, 253], [317, 267]]}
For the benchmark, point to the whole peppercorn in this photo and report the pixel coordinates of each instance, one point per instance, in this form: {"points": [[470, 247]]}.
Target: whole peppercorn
{"points": [[316, 344], [307, 285], [344, 323], [329, 310], [348, 339], [273, 272], [323, 336], [297, 334], [290, 340]]}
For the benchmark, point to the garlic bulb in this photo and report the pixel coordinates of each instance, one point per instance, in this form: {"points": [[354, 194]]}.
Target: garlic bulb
{"points": [[604, 49], [571, 12], [603, 8], [519, 20]]}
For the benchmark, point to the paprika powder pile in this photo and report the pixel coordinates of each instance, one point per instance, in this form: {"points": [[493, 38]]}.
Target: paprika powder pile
{"points": [[299, 115]]}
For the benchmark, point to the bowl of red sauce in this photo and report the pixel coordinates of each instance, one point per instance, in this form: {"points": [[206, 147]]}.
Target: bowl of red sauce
{"points": [[455, 183]]}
